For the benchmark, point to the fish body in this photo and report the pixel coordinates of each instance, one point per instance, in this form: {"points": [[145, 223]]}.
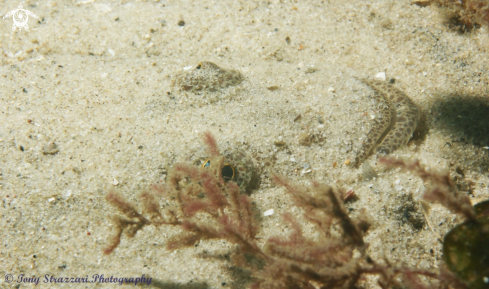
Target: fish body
{"points": [[399, 117]]}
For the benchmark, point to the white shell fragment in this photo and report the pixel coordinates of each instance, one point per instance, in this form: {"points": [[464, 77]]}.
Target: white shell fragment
{"points": [[67, 194], [268, 212], [380, 76], [368, 172]]}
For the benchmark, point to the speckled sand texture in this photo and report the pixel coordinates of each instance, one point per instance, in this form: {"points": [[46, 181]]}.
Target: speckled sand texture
{"points": [[96, 78]]}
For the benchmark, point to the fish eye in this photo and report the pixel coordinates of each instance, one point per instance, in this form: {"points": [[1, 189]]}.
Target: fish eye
{"points": [[227, 172], [206, 164], [199, 65]]}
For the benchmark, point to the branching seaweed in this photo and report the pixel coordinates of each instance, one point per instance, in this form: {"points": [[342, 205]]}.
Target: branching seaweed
{"points": [[206, 207], [444, 190], [464, 15], [465, 249]]}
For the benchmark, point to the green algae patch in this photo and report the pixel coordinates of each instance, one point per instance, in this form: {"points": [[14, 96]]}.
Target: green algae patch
{"points": [[466, 249]]}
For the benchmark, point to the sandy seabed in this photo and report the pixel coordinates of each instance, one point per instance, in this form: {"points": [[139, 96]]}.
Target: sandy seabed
{"points": [[96, 77]]}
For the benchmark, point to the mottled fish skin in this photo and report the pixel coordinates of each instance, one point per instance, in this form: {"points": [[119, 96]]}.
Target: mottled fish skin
{"points": [[408, 115], [246, 175], [208, 76], [404, 118], [381, 126]]}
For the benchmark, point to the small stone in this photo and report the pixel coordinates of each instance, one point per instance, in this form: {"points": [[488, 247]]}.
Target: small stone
{"points": [[311, 70], [50, 149], [115, 182], [268, 212], [421, 3], [306, 139], [280, 143]]}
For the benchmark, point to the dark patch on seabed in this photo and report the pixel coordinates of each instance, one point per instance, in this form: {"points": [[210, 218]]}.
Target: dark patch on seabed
{"points": [[464, 116], [464, 119]]}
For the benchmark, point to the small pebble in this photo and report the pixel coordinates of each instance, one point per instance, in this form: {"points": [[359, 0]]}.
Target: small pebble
{"points": [[50, 149], [268, 212], [279, 143], [311, 70]]}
